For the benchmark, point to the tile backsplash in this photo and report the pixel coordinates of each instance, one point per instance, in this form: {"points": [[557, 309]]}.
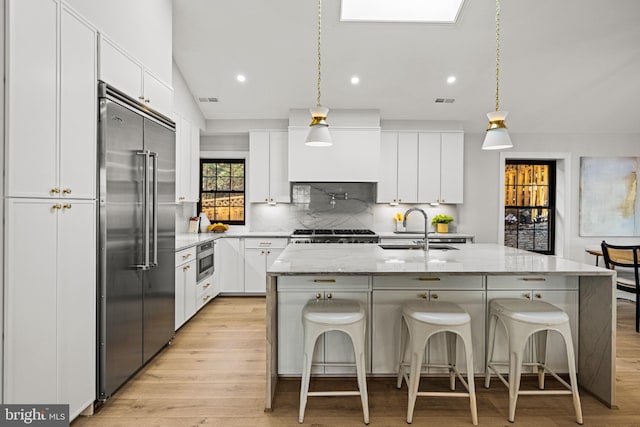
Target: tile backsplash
{"points": [[337, 205]]}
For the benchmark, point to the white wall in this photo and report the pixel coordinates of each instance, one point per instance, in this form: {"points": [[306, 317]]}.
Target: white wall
{"points": [[144, 28], [184, 102], [482, 189]]}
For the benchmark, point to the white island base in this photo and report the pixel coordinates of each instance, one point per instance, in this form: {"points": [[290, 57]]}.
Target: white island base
{"points": [[471, 276]]}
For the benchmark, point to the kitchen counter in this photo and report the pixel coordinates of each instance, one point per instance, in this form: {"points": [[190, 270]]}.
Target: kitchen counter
{"points": [[596, 308], [186, 240], [420, 235]]}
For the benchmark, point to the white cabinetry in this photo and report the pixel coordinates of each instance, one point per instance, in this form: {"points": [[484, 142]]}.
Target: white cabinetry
{"points": [[187, 160], [293, 294], [268, 157], [259, 254], [421, 167], [51, 112], [353, 157], [560, 291], [185, 285], [229, 264], [50, 308], [50, 209], [122, 71], [466, 291]]}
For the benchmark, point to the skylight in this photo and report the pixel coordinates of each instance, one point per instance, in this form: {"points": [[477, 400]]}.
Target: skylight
{"points": [[434, 11]]}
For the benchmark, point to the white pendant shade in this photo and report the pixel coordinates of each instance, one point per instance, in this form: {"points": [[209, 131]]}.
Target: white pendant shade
{"points": [[497, 136], [319, 136]]}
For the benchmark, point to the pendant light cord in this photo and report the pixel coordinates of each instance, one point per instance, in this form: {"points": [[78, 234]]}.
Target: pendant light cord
{"points": [[497, 58], [319, 45]]}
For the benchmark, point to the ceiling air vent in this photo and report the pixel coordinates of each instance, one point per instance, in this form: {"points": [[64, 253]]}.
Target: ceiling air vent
{"points": [[444, 100], [208, 99]]}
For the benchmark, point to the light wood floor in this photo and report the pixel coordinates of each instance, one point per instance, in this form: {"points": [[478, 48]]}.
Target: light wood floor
{"points": [[213, 375]]}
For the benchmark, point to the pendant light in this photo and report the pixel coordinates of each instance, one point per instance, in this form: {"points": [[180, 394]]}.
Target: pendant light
{"points": [[497, 137], [319, 135]]}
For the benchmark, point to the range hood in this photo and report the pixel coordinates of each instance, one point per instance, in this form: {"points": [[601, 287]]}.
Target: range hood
{"points": [[353, 157]]}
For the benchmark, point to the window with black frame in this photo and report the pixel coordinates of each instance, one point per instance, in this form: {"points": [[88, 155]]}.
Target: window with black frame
{"points": [[529, 211], [222, 190]]}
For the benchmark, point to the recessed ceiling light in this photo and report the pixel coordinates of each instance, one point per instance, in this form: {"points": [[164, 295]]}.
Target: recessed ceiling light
{"points": [[355, 80], [241, 78], [451, 79]]}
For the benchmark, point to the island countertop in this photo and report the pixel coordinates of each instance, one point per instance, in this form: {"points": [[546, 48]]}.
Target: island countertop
{"points": [[366, 258]]}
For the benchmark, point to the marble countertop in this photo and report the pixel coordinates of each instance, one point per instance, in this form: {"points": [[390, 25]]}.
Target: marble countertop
{"points": [[186, 240], [482, 258]]}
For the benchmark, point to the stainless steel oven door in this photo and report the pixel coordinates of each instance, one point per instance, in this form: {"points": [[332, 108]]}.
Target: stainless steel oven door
{"points": [[204, 255]]}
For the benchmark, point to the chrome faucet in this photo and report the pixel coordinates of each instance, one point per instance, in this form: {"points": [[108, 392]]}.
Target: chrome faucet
{"points": [[426, 220]]}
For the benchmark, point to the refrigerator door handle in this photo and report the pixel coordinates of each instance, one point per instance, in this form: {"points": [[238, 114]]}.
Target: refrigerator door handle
{"points": [[155, 209], [145, 210]]}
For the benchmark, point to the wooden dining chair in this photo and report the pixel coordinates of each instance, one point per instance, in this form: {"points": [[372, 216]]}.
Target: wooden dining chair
{"points": [[625, 257]]}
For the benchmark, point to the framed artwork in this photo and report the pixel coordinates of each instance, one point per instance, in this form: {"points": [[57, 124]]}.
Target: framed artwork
{"points": [[609, 196]]}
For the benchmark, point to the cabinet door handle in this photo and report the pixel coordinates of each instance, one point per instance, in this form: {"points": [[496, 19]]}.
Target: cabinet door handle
{"points": [[181, 198], [186, 267], [204, 299], [54, 191], [434, 296], [527, 296], [262, 252], [329, 296], [324, 280], [424, 296], [66, 191], [538, 296], [318, 296], [268, 252], [56, 206], [428, 279], [141, 98], [533, 279], [66, 206], [147, 100]]}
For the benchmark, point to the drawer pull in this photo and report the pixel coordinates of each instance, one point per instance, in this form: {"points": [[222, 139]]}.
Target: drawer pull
{"points": [[324, 280], [206, 285], [534, 279], [265, 243], [428, 279], [186, 267], [205, 299], [434, 296], [186, 256]]}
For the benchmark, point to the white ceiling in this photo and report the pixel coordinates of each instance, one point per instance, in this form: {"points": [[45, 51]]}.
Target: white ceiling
{"points": [[566, 65]]}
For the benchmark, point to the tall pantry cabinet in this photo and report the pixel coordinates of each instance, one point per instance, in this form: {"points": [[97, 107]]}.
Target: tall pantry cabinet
{"points": [[50, 206]]}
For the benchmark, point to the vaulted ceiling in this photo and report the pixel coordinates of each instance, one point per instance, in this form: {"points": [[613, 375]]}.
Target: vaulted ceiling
{"points": [[566, 66]]}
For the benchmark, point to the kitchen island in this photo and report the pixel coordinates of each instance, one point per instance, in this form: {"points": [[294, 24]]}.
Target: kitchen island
{"points": [[487, 270]]}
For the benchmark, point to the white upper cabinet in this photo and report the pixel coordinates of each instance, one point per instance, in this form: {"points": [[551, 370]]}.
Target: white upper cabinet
{"points": [[187, 160], [51, 114], [268, 156], [126, 74], [421, 167], [441, 171]]}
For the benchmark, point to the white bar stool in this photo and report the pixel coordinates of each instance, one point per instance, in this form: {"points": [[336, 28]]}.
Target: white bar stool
{"points": [[521, 319], [324, 315], [422, 320]]}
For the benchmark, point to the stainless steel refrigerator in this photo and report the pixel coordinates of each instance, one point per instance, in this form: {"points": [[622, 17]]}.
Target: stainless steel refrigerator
{"points": [[136, 294]]}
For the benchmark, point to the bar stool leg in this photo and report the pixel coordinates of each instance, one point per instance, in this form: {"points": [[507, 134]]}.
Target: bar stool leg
{"points": [[491, 342], [541, 355], [310, 338], [466, 339], [451, 339], [404, 330], [358, 349], [517, 341], [565, 331], [416, 345]]}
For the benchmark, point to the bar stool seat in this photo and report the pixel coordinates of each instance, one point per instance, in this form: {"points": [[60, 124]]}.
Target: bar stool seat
{"points": [[420, 321], [324, 315], [522, 319]]}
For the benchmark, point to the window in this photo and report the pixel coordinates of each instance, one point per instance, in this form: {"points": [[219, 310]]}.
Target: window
{"points": [[222, 190], [529, 198]]}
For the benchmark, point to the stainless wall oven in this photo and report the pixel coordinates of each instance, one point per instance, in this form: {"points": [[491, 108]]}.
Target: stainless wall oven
{"points": [[204, 255]]}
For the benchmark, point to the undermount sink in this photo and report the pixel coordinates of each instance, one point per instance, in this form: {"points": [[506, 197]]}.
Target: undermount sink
{"points": [[418, 247]]}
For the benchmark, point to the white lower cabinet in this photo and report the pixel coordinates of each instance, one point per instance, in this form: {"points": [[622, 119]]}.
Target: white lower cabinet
{"points": [[50, 317], [206, 290], [387, 317], [185, 285], [229, 265], [558, 290], [259, 254], [293, 293]]}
